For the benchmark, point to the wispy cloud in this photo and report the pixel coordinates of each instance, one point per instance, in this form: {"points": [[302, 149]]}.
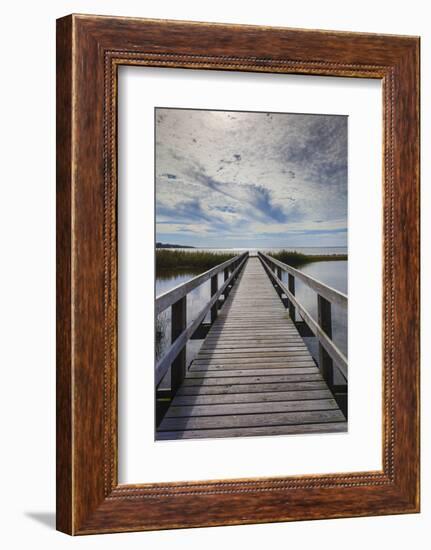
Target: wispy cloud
{"points": [[226, 178]]}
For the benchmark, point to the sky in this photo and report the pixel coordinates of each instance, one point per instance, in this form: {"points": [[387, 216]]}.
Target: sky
{"points": [[243, 179]]}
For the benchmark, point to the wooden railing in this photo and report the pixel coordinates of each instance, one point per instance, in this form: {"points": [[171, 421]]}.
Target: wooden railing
{"points": [[329, 353], [181, 332]]}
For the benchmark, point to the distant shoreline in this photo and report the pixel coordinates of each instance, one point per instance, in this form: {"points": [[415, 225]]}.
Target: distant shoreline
{"points": [[168, 245], [252, 248]]}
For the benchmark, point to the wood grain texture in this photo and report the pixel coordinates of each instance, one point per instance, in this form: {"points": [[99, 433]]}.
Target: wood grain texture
{"points": [[64, 496], [89, 499]]}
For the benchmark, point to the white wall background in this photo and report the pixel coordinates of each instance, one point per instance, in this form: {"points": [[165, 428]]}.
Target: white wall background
{"points": [[27, 237]]}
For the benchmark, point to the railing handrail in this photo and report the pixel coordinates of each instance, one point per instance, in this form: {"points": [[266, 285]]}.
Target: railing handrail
{"points": [[171, 296], [329, 293], [176, 347], [324, 340]]}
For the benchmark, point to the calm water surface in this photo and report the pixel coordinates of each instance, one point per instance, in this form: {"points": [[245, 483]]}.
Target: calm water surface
{"points": [[303, 249], [334, 274], [196, 300], [331, 273]]}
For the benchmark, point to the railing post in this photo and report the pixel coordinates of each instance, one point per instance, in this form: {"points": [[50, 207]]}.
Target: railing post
{"points": [[291, 286], [235, 265], [277, 271], [324, 318], [214, 288], [178, 325], [226, 277]]}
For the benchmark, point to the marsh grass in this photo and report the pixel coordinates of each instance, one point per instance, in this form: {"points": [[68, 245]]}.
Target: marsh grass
{"points": [[194, 261], [198, 261], [296, 259]]}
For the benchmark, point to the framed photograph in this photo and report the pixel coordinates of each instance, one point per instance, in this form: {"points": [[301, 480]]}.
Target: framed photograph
{"points": [[237, 274]]}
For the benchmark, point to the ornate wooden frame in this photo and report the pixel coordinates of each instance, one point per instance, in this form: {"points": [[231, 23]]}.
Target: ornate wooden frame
{"points": [[89, 51]]}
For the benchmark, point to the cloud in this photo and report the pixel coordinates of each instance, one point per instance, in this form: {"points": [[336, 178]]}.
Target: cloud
{"points": [[226, 208], [290, 175]]}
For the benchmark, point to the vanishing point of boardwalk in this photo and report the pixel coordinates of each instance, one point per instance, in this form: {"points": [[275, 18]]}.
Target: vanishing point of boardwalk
{"points": [[253, 374]]}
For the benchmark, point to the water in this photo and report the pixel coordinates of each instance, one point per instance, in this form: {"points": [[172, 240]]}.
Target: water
{"points": [[196, 300], [326, 250], [331, 273]]}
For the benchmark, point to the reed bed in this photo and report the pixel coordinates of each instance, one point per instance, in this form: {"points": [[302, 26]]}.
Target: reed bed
{"points": [[296, 259], [183, 259]]}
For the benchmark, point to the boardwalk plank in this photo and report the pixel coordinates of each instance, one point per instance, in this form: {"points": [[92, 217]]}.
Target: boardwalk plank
{"points": [[251, 354], [206, 374], [256, 366], [250, 420], [328, 427], [238, 361], [306, 377], [250, 345], [248, 388], [251, 408], [257, 397]]}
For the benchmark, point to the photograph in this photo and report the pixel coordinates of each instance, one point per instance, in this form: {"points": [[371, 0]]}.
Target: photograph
{"points": [[251, 273]]}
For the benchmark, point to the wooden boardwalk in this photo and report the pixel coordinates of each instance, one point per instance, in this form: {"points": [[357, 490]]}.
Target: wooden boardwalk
{"points": [[253, 374]]}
